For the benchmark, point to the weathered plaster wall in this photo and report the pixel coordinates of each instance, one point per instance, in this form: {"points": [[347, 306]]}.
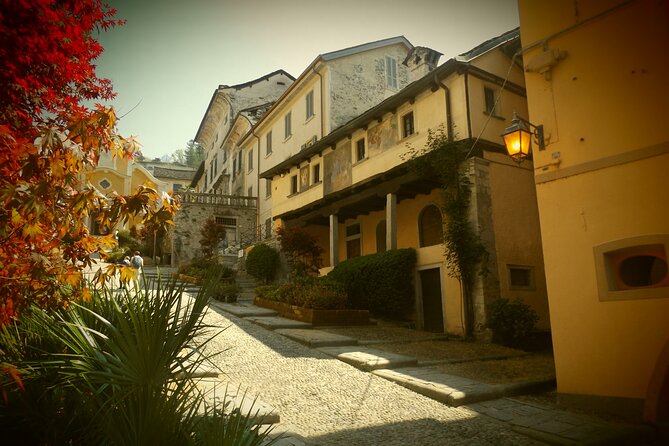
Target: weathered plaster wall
{"points": [[337, 168], [358, 82]]}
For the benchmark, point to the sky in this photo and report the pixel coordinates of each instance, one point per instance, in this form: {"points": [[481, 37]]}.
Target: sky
{"points": [[171, 55]]}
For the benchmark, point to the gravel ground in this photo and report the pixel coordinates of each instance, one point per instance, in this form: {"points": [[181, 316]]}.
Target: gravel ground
{"points": [[331, 403]]}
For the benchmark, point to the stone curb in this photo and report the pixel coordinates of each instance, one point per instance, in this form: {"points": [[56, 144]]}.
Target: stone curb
{"points": [[242, 311], [274, 322], [369, 359], [316, 338]]}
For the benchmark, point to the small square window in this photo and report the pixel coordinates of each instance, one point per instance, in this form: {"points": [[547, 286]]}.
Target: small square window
{"points": [[520, 277], [360, 149], [407, 125]]}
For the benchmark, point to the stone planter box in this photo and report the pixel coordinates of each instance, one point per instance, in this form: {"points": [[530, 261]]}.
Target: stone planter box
{"points": [[316, 317]]}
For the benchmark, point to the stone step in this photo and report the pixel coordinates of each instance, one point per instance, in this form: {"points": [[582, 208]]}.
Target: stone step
{"points": [[368, 359], [243, 310], [274, 322], [316, 338]]}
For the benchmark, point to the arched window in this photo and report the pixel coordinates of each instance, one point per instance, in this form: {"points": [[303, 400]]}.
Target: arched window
{"points": [[430, 231], [381, 236]]}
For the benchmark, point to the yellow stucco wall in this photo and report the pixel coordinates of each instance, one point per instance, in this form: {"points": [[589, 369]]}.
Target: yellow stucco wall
{"points": [[604, 108]]}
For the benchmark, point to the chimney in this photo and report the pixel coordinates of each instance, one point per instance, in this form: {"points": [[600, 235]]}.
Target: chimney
{"points": [[421, 60]]}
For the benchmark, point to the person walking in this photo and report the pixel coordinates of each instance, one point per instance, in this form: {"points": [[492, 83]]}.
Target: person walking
{"points": [[124, 283], [137, 262]]}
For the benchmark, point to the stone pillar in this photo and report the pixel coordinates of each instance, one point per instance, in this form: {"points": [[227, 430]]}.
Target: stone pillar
{"points": [[334, 240], [391, 222]]}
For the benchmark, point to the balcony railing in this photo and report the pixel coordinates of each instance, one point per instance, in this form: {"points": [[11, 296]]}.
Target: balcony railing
{"points": [[219, 200]]}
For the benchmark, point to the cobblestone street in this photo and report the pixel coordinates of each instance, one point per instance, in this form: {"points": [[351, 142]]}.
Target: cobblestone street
{"points": [[331, 403]]}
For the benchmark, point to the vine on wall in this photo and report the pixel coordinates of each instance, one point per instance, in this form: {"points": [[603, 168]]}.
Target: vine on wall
{"points": [[466, 256]]}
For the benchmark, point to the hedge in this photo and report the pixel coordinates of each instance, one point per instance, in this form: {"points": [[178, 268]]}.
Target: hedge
{"points": [[381, 283], [262, 262]]}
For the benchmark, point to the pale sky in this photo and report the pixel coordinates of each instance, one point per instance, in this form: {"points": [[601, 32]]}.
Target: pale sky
{"points": [[172, 54]]}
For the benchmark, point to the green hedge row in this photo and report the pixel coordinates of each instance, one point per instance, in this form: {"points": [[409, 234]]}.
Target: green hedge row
{"points": [[381, 283], [309, 292]]}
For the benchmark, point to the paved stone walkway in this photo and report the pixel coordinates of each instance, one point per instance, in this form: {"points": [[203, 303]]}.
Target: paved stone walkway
{"points": [[327, 402]]}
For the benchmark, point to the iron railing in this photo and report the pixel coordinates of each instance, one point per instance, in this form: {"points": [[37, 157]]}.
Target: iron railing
{"points": [[219, 200]]}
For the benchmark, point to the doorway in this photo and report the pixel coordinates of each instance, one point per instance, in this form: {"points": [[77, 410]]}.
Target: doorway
{"points": [[430, 287]]}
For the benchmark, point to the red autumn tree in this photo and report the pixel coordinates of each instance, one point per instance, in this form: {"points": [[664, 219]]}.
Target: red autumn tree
{"points": [[48, 139]]}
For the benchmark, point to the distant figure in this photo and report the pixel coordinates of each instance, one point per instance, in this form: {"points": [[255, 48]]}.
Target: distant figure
{"points": [[137, 261], [124, 283]]}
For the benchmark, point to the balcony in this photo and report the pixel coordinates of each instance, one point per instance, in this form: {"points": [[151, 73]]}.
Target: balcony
{"points": [[218, 200]]}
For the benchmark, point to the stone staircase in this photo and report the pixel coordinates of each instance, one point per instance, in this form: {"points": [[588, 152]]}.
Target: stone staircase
{"points": [[247, 285]]}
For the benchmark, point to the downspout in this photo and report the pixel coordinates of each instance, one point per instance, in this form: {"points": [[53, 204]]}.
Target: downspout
{"points": [[322, 103], [258, 187], [449, 119], [469, 120]]}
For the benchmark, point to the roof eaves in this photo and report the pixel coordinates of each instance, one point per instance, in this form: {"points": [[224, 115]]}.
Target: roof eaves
{"points": [[489, 45]]}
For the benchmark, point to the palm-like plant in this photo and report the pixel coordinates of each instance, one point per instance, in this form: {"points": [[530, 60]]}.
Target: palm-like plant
{"points": [[116, 370]]}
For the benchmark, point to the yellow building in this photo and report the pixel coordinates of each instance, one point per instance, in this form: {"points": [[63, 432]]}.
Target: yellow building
{"points": [[597, 80], [352, 188], [123, 176]]}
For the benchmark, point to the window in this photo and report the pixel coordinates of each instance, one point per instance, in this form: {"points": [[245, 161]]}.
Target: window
{"points": [[287, 124], [407, 125], [105, 184], [430, 231], [310, 104], [391, 72], [226, 221], [268, 143], [205, 181], [293, 184], [234, 166], [317, 173], [490, 101], [360, 149], [268, 188], [633, 268], [250, 160], [520, 277], [176, 187], [353, 248], [215, 166], [268, 228], [239, 161], [381, 236], [250, 194]]}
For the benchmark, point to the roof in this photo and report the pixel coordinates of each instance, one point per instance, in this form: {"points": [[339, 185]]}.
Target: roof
{"points": [[176, 174], [260, 79], [331, 56], [490, 44], [238, 87]]}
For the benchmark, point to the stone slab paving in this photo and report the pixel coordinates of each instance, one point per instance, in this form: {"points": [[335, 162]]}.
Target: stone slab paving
{"points": [[448, 389], [274, 322], [366, 358], [243, 310], [326, 402], [217, 393], [316, 338], [561, 427]]}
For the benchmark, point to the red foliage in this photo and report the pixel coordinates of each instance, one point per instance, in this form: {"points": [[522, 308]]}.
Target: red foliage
{"points": [[47, 140]]}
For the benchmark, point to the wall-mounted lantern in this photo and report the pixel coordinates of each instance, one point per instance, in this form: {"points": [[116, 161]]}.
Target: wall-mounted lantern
{"points": [[518, 138]]}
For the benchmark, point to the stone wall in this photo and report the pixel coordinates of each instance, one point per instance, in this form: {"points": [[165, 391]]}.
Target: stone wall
{"points": [[191, 218]]}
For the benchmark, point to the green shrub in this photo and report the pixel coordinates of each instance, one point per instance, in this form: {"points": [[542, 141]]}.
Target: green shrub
{"points": [[222, 291], [381, 283], [307, 292], [128, 242], [206, 269], [262, 262], [511, 320]]}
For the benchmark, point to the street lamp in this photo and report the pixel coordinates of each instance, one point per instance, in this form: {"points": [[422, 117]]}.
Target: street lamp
{"points": [[518, 138]]}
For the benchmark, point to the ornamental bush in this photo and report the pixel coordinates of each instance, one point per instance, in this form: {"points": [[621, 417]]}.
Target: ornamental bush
{"points": [[511, 320], [262, 262], [381, 283], [308, 292]]}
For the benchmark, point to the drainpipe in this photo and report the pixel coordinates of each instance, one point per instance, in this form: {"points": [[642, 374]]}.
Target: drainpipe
{"points": [[322, 103], [469, 120], [258, 187], [449, 119]]}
